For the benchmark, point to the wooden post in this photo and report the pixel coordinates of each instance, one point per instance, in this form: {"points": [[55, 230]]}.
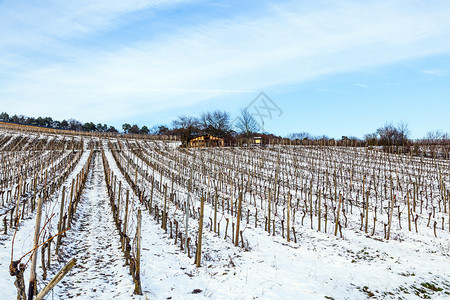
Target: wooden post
{"points": [[390, 217], [409, 211], [238, 220], [320, 211], [288, 216], [16, 218], [200, 232], [56, 279], [337, 215], [32, 286], [164, 216], [187, 214], [151, 194], [137, 276], [215, 211], [118, 200], [367, 213], [125, 221], [70, 202], [61, 213], [33, 203], [268, 212], [448, 201]]}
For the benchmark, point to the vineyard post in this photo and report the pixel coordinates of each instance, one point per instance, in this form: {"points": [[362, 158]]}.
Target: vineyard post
{"points": [[32, 286], [119, 194], [268, 212], [187, 214], [288, 216], [409, 210], [56, 279], [337, 216], [164, 216], [16, 219], [137, 277], [320, 210], [61, 212], [448, 201], [125, 222], [311, 203], [238, 220], [367, 212], [151, 192], [200, 232], [70, 202], [390, 217], [215, 211], [33, 203]]}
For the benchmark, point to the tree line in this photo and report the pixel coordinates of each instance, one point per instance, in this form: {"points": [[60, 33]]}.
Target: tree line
{"points": [[217, 123], [238, 130], [48, 122]]}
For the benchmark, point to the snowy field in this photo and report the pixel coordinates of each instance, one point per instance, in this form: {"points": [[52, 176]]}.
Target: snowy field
{"points": [[314, 222]]}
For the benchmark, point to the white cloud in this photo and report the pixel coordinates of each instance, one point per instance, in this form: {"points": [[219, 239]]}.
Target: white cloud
{"points": [[292, 43], [35, 24], [436, 72]]}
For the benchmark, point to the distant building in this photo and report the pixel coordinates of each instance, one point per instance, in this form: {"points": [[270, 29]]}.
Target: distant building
{"points": [[206, 141], [257, 140]]}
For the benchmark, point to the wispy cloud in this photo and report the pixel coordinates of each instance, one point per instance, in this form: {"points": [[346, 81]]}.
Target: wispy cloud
{"points": [[360, 85], [32, 24], [284, 44], [436, 72]]}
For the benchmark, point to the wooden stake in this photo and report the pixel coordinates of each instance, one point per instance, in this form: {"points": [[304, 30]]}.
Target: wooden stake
{"points": [[61, 213], [137, 276], [16, 218], [409, 211], [125, 221], [32, 286], [288, 216], [56, 279], [200, 232], [238, 220], [337, 215], [390, 217]]}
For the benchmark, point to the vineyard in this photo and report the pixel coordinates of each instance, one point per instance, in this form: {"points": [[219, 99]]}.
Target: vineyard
{"points": [[129, 217]]}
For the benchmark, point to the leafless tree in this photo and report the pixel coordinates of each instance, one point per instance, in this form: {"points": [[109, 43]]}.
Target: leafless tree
{"points": [[246, 124], [300, 136], [186, 127], [216, 123], [403, 133]]}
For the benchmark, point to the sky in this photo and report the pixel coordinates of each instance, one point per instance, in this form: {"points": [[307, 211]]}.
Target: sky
{"points": [[326, 67]]}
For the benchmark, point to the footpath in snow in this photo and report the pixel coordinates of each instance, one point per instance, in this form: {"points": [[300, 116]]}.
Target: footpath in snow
{"points": [[94, 241]]}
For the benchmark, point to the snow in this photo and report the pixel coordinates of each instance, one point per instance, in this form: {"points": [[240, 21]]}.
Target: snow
{"points": [[318, 266], [93, 241]]}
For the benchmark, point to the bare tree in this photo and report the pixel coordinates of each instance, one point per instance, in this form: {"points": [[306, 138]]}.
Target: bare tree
{"points": [[216, 123], [433, 136], [186, 127], [388, 134], [403, 133], [246, 124], [371, 139]]}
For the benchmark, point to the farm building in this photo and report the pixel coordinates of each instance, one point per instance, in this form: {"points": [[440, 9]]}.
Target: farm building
{"points": [[206, 141], [257, 140]]}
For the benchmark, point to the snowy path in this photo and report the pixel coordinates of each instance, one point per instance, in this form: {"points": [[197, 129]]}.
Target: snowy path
{"points": [[100, 272], [166, 272]]}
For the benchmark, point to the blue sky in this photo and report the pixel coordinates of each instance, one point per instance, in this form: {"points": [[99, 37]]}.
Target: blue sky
{"points": [[332, 67]]}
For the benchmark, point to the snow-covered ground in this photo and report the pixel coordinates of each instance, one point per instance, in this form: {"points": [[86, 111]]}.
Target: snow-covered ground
{"points": [[318, 266], [93, 240]]}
